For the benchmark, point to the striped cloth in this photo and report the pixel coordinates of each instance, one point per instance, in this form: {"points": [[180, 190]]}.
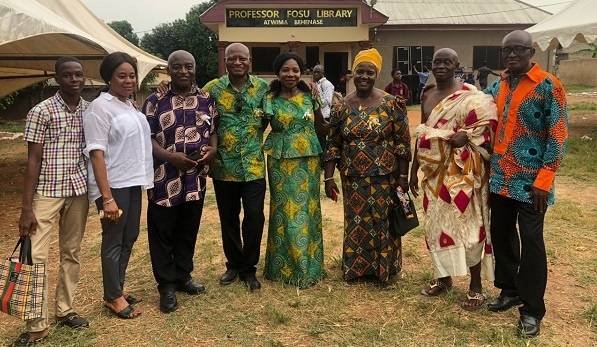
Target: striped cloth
{"points": [[21, 289], [63, 166]]}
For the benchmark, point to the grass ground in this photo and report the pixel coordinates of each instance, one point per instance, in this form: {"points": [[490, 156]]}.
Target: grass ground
{"points": [[333, 312], [579, 88]]}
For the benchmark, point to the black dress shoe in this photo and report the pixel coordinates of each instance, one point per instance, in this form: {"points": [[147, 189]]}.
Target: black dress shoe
{"points": [[228, 277], [528, 326], [503, 303], [251, 282], [168, 302], [73, 320], [191, 287]]}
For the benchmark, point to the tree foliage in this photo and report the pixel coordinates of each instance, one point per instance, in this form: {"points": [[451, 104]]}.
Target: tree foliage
{"points": [[125, 29], [188, 34]]}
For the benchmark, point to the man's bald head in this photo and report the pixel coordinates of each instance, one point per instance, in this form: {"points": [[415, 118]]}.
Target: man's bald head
{"points": [[238, 60], [236, 47], [445, 61], [180, 55], [181, 68], [446, 52], [517, 51], [518, 37], [318, 72]]}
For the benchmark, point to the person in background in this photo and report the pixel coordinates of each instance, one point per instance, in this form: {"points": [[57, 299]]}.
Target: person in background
{"points": [[121, 165], [55, 191], [423, 77], [451, 150], [238, 170], [397, 87], [482, 73], [527, 152], [370, 144], [294, 252], [344, 82], [326, 95], [470, 78], [183, 123]]}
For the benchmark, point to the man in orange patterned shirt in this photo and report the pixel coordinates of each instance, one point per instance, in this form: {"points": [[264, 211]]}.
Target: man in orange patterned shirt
{"points": [[528, 150]]}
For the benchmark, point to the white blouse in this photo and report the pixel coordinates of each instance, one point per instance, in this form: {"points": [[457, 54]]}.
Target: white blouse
{"points": [[122, 133]]}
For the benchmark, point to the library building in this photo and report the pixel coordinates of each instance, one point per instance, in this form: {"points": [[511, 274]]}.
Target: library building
{"points": [[332, 32]]}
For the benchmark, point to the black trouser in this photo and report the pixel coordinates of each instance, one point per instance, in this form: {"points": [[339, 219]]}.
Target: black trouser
{"points": [[520, 259], [118, 239], [242, 253], [172, 234]]}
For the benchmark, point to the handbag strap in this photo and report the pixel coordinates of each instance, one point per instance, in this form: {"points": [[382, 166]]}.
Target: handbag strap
{"points": [[25, 250], [19, 242]]}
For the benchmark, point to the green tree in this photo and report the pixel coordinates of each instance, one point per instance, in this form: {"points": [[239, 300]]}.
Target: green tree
{"points": [[125, 29], [188, 34], [592, 49]]}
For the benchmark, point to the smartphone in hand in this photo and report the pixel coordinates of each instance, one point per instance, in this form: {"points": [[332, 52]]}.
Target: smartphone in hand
{"points": [[195, 155]]}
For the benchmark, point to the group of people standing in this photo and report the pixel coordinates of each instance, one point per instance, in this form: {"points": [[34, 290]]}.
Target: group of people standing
{"points": [[183, 133]]}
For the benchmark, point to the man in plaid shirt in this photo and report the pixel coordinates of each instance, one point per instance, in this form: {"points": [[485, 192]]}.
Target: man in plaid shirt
{"points": [[56, 191]]}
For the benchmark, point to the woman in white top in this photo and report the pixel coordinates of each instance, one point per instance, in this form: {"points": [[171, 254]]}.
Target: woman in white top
{"points": [[119, 146]]}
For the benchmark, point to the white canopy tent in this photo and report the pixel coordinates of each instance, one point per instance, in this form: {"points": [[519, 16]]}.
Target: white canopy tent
{"points": [[34, 33], [577, 22]]}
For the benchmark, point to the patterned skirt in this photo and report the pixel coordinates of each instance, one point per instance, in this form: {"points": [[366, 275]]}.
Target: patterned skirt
{"points": [[294, 252], [372, 248]]}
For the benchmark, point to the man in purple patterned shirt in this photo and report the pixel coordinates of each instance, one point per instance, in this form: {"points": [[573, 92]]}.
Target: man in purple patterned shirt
{"points": [[183, 123]]}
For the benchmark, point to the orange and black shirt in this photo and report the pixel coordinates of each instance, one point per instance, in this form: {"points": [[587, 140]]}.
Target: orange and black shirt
{"points": [[531, 133]]}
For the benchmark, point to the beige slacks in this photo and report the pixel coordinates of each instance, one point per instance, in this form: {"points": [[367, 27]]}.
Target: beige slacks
{"points": [[71, 215]]}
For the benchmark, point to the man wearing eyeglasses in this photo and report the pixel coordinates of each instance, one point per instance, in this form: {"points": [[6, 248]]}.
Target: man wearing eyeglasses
{"points": [[527, 152], [238, 170]]}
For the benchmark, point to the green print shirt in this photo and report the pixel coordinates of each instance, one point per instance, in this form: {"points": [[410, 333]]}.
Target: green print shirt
{"points": [[240, 134], [293, 129]]}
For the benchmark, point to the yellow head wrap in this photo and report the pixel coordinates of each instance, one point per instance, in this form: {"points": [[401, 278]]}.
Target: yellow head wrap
{"points": [[369, 56]]}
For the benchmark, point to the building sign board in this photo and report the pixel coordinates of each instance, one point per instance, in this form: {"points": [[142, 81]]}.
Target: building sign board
{"points": [[291, 17]]}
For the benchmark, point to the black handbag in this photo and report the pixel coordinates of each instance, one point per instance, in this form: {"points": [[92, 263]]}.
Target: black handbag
{"points": [[403, 223]]}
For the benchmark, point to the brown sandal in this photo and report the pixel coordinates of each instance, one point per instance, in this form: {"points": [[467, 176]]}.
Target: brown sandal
{"points": [[473, 301], [435, 288]]}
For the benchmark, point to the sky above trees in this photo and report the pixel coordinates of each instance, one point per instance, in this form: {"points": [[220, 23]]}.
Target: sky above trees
{"points": [[144, 15]]}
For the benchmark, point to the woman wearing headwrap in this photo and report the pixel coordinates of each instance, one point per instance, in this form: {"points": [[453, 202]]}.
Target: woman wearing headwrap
{"points": [[294, 245], [369, 142]]}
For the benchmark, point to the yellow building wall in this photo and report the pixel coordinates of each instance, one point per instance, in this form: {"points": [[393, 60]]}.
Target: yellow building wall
{"points": [[301, 34]]}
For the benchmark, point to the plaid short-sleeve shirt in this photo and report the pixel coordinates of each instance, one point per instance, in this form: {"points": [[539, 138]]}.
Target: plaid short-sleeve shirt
{"points": [[63, 171]]}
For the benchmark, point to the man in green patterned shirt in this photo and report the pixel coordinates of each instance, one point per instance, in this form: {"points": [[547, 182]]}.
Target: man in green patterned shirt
{"points": [[238, 170]]}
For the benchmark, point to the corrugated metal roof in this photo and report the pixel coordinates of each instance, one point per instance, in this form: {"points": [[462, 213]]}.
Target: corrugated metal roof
{"points": [[460, 12]]}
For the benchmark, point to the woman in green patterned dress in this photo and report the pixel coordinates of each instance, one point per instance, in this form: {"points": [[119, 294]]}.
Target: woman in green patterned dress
{"points": [[295, 245], [370, 143]]}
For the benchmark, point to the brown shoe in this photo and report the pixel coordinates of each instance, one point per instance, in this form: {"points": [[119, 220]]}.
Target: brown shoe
{"points": [[26, 339], [435, 288]]}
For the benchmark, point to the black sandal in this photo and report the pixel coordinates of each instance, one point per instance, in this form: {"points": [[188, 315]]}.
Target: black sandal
{"points": [[132, 300], [125, 313]]}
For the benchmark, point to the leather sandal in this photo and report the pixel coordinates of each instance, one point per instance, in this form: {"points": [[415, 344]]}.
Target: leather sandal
{"points": [[125, 313], [24, 340], [435, 288], [473, 301], [132, 300]]}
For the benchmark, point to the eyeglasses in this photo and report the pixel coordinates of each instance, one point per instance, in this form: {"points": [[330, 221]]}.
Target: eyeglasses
{"points": [[238, 103], [518, 50]]}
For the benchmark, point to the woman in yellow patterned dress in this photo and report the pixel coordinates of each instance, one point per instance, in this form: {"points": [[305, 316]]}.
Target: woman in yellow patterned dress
{"points": [[370, 143], [295, 245]]}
